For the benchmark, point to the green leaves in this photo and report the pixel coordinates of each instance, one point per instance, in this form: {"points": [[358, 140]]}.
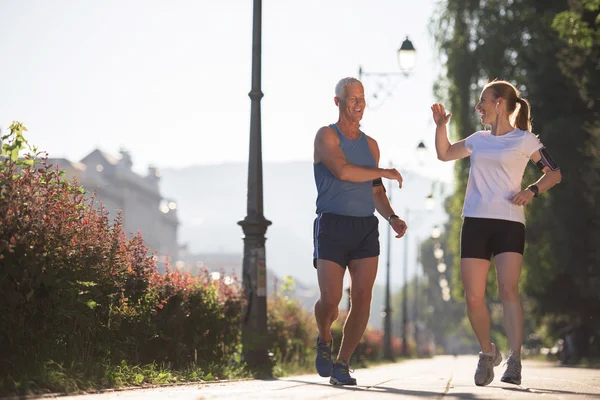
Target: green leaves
{"points": [[578, 26], [551, 51], [91, 304], [575, 31]]}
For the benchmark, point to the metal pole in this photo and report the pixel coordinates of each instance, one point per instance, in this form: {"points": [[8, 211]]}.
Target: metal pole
{"points": [[404, 294], [387, 318], [417, 290], [254, 226]]}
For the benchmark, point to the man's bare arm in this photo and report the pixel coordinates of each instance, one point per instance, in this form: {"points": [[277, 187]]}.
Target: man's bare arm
{"points": [[382, 203], [328, 151]]}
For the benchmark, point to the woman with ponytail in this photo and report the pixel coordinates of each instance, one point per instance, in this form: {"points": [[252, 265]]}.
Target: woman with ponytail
{"points": [[493, 215]]}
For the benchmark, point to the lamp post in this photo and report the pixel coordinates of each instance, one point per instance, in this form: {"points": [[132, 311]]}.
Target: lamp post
{"points": [[429, 204], [407, 57], [387, 312], [406, 62], [417, 296], [254, 226]]}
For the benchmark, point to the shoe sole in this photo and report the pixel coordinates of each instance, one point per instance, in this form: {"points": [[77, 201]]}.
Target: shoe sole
{"points": [[511, 381], [324, 375], [334, 381]]}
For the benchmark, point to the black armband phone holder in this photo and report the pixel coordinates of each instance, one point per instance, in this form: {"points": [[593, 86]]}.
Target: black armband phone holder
{"points": [[546, 161]]}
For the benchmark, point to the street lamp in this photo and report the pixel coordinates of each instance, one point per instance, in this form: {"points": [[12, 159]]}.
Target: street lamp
{"points": [[421, 151], [406, 62], [436, 232], [429, 204], [387, 312], [441, 267], [407, 57], [438, 252], [416, 302], [254, 226]]}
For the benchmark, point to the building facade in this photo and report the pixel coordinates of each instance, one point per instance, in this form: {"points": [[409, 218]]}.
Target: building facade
{"points": [[118, 188]]}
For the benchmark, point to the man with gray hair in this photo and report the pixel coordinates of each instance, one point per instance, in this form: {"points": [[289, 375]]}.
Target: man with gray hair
{"points": [[346, 235]]}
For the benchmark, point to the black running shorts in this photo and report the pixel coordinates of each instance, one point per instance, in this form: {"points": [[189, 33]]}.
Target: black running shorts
{"points": [[486, 237], [341, 238]]}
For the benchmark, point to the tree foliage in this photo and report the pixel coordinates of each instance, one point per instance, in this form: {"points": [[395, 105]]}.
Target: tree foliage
{"points": [[549, 50]]}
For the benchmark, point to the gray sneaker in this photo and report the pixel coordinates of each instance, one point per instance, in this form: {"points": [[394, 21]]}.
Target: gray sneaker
{"points": [[484, 374], [513, 370]]}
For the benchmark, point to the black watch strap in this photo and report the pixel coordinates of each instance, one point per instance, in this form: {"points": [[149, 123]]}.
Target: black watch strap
{"points": [[535, 190], [392, 216]]}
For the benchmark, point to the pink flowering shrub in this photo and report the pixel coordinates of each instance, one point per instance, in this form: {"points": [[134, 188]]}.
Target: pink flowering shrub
{"points": [[76, 291], [197, 321]]}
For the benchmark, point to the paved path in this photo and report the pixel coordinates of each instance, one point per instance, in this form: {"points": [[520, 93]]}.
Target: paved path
{"points": [[441, 377]]}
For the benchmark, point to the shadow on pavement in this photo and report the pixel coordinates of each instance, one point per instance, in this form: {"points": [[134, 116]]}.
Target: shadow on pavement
{"points": [[386, 389], [546, 391]]}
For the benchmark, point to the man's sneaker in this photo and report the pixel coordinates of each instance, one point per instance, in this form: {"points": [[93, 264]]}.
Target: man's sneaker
{"points": [[484, 374], [323, 361], [340, 374], [513, 370]]}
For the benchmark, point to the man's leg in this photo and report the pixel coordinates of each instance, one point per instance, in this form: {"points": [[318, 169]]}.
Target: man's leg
{"points": [[362, 277], [331, 281]]}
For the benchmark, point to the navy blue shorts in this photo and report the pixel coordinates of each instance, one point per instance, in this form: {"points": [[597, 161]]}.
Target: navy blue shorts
{"points": [[341, 238]]}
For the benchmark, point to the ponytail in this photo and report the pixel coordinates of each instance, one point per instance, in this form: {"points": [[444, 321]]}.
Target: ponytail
{"points": [[523, 120]]}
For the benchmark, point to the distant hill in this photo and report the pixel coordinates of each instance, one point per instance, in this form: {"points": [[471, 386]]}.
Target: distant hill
{"points": [[211, 199]]}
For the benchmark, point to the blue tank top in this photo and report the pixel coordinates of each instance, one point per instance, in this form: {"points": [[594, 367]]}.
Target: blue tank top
{"points": [[342, 197]]}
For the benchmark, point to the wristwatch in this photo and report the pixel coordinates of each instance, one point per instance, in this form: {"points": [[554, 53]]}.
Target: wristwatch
{"points": [[392, 216], [535, 190]]}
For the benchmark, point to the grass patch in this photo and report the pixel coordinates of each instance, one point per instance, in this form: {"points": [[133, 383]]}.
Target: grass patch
{"points": [[57, 378]]}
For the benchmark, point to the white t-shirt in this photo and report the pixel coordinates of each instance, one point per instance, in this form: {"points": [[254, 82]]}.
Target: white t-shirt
{"points": [[496, 173]]}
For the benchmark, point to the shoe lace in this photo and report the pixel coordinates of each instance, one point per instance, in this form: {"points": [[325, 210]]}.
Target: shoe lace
{"points": [[324, 351], [513, 366], [484, 361], [345, 369]]}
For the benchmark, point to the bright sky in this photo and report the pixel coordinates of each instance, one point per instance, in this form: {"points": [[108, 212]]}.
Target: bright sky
{"points": [[169, 81]]}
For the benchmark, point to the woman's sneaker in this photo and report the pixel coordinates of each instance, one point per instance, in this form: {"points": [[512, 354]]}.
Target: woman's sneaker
{"points": [[323, 361], [484, 374], [513, 370], [340, 374]]}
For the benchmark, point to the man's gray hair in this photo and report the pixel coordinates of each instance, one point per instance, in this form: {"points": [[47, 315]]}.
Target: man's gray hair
{"points": [[340, 88]]}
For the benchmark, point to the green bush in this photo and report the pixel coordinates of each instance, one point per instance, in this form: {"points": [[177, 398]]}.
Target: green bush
{"points": [[369, 348], [292, 330], [197, 322], [81, 300], [293, 333]]}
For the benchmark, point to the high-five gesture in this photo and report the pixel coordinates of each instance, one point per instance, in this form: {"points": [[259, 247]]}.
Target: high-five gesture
{"points": [[439, 114]]}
